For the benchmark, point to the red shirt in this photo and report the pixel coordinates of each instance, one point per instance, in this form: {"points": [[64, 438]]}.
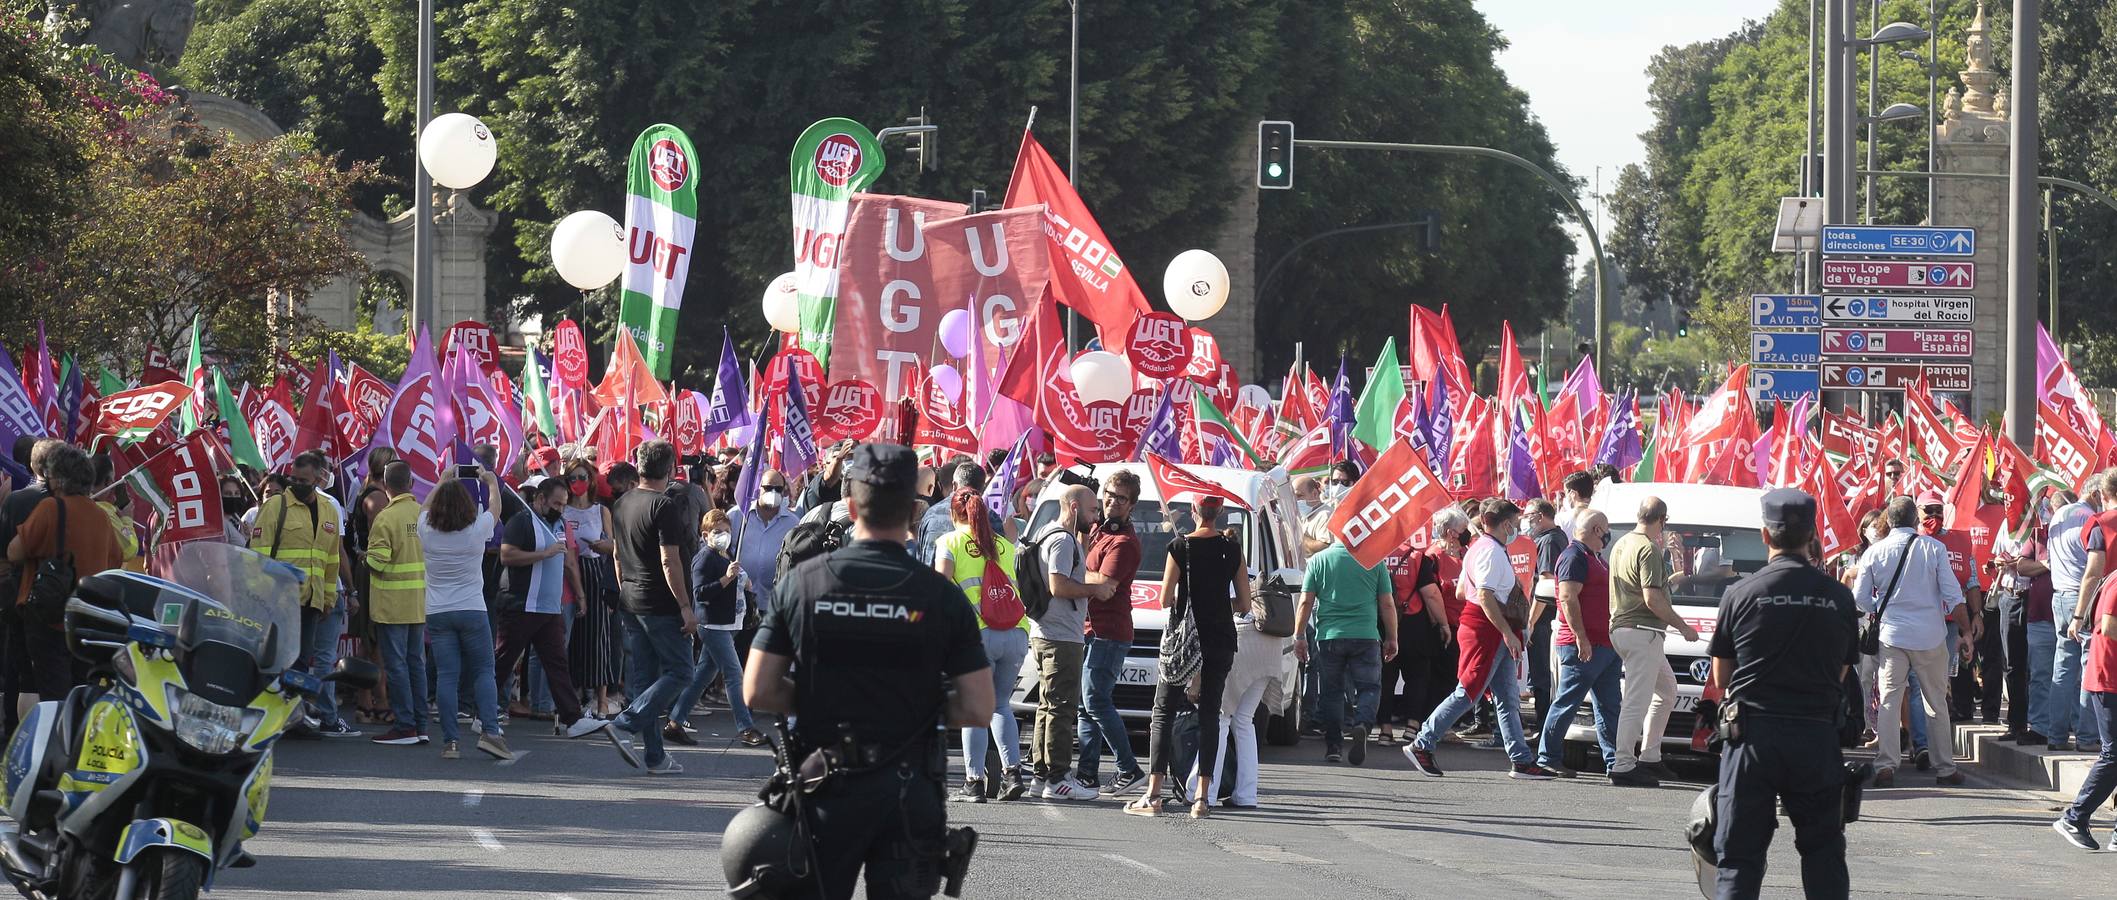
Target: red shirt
{"points": [[2101, 674], [1115, 554], [1579, 564], [1410, 570], [1959, 555], [1450, 568]]}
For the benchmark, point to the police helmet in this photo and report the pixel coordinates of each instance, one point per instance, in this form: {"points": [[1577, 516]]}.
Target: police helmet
{"points": [[1704, 821], [761, 854]]}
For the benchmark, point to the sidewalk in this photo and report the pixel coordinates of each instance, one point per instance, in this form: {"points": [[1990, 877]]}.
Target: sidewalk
{"points": [[2035, 768]]}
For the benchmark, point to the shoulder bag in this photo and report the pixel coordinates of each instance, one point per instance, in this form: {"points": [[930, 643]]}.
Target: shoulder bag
{"points": [[1181, 657], [1871, 627], [54, 579], [1272, 608]]}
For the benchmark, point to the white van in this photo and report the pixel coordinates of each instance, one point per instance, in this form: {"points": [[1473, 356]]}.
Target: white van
{"points": [[1271, 538], [1718, 523]]}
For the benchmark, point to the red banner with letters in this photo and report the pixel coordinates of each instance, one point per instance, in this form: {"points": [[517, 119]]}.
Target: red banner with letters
{"points": [[1393, 500], [890, 305], [140, 410], [184, 476]]}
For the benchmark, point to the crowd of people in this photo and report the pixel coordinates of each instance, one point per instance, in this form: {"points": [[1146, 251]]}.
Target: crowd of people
{"points": [[620, 596]]}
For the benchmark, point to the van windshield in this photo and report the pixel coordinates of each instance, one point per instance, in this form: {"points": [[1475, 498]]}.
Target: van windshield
{"points": [[1156, 529], [1713, 558]]}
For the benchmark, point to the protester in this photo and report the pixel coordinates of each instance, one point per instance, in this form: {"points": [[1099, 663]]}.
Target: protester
{"points": [[1640, 619], [1354, 615], [533, 548], [396, 564], [713, 575], [2100, 682], [1424, 585], [1911, 571], [2076, 626], [2024, 600], [1256, 666], [1057, 641], [64, 524], [1113, 554], [1579, 494], [300, 526], [1204, 570], [969, 556], [595, 648], [453, 530], [1588, 665], [759, 532], [654, 586], [1538, 521]]}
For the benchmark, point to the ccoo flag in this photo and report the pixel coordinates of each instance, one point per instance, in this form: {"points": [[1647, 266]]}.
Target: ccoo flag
{"points": [[832, 160], [661, 218]]}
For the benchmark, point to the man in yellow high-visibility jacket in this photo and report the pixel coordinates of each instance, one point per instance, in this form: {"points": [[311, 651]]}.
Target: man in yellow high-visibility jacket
{"points": [[397, 604], [301, 526]]}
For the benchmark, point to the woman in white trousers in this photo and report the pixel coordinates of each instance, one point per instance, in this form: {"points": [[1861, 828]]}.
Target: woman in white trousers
{"points": [[1257, 658]]}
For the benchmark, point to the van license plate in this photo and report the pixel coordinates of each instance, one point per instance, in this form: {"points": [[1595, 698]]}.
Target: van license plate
{"points": [[1142, 672]]}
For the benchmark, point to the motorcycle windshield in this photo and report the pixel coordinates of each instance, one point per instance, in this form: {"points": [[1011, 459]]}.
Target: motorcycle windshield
{"points": [[256, 601]]}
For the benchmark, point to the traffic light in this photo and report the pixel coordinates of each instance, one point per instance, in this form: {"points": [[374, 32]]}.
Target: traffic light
{"points": [[925, 149], [1275, 155], [1683, 323]]}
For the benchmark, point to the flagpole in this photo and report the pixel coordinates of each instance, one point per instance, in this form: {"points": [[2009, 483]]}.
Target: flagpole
{"points": [[1073, 136]]}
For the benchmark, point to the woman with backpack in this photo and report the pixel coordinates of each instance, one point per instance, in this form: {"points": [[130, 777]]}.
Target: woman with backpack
{"points": [[982, 564], [1206, 575]]}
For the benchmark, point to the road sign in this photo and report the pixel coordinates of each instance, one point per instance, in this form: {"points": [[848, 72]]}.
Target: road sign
{"points": [[1783, 384], [1945, 342], [1847, 376], [1899, 240], [1785, 310], [1863, 274], [1791, 349], [1910, 309]]}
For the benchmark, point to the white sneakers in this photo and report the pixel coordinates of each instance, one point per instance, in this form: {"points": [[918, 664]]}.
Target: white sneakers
{"points": [[585, 725], [1068, 789]]}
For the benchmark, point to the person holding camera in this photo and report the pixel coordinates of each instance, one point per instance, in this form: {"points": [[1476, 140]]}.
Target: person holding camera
{"points": [[1786, 637]]}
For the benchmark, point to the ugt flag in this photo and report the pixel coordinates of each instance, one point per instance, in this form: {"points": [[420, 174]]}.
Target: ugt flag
{"points": [[661, 218]]}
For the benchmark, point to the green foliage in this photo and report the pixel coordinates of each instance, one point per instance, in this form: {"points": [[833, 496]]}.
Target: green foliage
{"points": [[384, 355], [2080, 142]]}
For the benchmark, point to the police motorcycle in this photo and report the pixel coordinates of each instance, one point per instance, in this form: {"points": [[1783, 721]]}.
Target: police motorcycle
{"points": [[144, 783]]}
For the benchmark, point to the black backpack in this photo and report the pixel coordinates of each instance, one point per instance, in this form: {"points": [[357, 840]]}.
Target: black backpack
{"points": [[1031, 580], [807, 541]]}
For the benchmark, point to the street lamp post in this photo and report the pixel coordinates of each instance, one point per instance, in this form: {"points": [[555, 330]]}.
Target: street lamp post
{"points": [[1073, 139], [421, 309], [2024, 143]]}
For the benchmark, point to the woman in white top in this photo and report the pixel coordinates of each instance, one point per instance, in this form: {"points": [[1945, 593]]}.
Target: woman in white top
{"points": [[453, 531], [595, 651]]}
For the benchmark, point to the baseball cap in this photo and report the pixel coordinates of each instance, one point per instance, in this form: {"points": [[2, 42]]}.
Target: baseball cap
{"points": [[1930, 498], [884, 465], [1789, 508]]}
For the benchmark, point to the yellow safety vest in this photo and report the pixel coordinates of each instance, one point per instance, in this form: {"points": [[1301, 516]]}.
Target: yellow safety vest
{"points": [[396, 564], [305, 538]]}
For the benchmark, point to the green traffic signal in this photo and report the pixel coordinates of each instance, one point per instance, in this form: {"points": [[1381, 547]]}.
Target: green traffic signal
{"points": [[1275, 155]]}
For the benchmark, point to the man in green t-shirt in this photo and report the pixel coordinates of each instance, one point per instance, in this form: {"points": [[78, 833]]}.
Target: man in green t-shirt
{"points": [[1640, 617], [1355, 617]]}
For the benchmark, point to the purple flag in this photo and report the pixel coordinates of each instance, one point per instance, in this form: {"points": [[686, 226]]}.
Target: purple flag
{"points": [[1163, 434], [1440, 429], [1013, 473], [1522, 483], [1418, 438], [730, 404], [752, 472], [797, 443], [1621, 445], [1586, 388], [419, 422], [486, 419], [1341, 415], [47, 393]]}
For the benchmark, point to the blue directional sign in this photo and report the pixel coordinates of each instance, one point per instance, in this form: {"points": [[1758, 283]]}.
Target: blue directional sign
{"points": [[1784, 384], [1899, 240], [1785, 310], [1789, 349]]}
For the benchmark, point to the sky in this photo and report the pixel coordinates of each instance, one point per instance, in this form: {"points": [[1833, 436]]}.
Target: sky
{"points": [[1584, 64]]}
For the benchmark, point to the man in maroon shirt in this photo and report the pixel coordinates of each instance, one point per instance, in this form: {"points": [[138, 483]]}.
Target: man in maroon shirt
{"points": [[1588, 666], [1113, 556]]}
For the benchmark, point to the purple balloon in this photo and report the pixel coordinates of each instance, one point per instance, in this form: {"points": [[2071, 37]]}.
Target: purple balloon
{"points": [[949, 381], [955, 333]]}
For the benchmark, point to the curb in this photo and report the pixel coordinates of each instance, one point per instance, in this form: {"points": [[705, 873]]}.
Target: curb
{"points": [[2035, 768]]}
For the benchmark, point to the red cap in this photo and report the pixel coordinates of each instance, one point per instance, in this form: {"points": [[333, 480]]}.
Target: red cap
{"points": [[1930, 498], [543, 456]]}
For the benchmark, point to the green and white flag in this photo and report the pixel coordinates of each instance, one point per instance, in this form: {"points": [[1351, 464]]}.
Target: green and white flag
{"points": [[833, 159], [661, 219]]}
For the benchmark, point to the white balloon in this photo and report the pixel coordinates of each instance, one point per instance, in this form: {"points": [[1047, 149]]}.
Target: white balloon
{"points": [[1195, 284], [588, 249], [1102, 375], [457, 150], [1253, 396], [782, 305]]}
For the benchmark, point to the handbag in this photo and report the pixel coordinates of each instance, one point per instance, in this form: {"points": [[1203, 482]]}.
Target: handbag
{"points": [[54, 579], [1871, 627], [1273, 611], [1181, 656]]}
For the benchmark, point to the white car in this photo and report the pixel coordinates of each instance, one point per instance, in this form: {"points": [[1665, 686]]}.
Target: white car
{"points": [[1271, 537], [1721, 542]]}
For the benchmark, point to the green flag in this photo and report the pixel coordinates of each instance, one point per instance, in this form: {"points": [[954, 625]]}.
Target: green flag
{"points": [[1208, 417], [661, 220], [240, 444], [537, 396], [1645, 470], [107, 382], [1375, 416], [194, 375], [831, 161]]}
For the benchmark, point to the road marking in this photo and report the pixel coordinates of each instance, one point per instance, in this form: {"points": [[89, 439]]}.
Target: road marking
{"points": [[486, 840], [473, 797], [1119, 857], [1272, 854], [1053, 813]]}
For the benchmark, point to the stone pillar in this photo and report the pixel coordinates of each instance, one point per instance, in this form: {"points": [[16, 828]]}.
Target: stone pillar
{"points": [[1236, 245], [1973, 139]]}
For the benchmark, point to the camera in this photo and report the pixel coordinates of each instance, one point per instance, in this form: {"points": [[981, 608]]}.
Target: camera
{"points": [[1079, 479]]}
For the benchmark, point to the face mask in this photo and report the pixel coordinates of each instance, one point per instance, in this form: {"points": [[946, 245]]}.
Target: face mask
{"points": [[717, 540], [1332, 492], [1303, 507], [235, 506], [302, 492], [770, 499]]}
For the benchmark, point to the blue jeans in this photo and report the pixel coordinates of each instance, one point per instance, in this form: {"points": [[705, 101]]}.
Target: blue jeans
{"points": [[539, 690], [664, 654], [2043, 648], [463, 661], [1918, 721], [1100, 724], [2102, 777], [1506, 697], [404, 664], [1005, 649], [2069, 704], [1339, 661], [323, 654], [718, 659], [639, 668], [1602, 678]]}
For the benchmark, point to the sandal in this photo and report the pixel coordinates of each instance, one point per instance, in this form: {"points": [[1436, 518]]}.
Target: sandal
{"points": [[1144, 806], [1201, 810], [751, 737]]}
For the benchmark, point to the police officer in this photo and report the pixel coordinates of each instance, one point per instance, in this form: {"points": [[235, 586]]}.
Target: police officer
{"points": [[873, 651], [1785, 639]]}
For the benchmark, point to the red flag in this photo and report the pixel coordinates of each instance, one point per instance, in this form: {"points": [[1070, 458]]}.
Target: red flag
{"points": [[1435, 355], [1479, 475], [1085, 272], [158, 368], [273, 426], [139, 410], [1295, 413], [1836, 527], [1395, 498], [318, 429], [1929, 437], [2063, 447], [1846, 434], [1724, 412], [362, 400], [627, 367], [183, 478], [1514, 374], [1173, 481]]}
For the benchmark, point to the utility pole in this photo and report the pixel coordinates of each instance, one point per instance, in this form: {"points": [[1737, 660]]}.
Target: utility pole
{"points": [[421, 307], [2024, 144], [1837, 113], [1073, 141]]}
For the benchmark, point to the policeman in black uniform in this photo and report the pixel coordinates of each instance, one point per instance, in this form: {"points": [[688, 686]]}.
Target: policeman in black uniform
{"points": [[1785, 638], [872, 652]]}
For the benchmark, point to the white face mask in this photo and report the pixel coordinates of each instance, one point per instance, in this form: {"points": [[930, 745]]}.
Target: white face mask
{"points": [[717, 540], [1333, 492], [1303, 508], [770, 499]]}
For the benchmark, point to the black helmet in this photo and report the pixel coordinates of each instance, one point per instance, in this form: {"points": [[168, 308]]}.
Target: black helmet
{"points": [[1699, 831], [762, 855]]}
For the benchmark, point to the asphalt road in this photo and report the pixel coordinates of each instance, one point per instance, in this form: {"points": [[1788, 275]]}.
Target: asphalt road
{"points": [[568, 820]]}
